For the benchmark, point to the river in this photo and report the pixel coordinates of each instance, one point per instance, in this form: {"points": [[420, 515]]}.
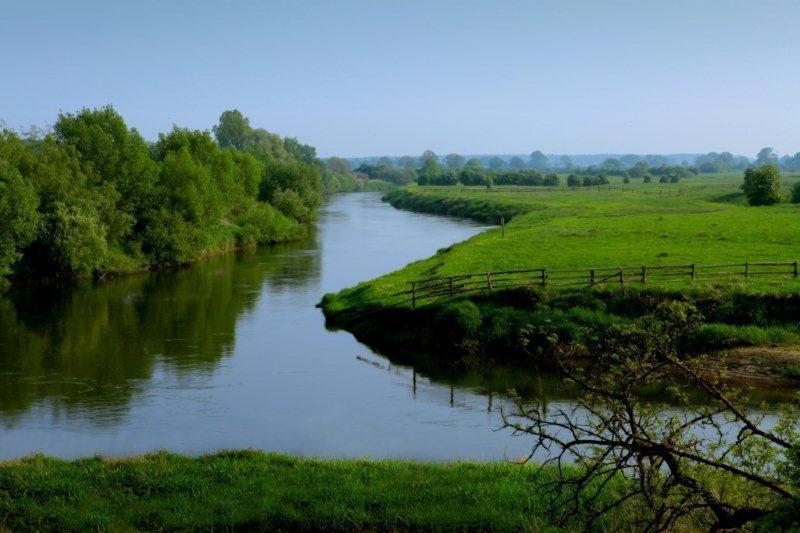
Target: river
{"points": [[231, 353]]}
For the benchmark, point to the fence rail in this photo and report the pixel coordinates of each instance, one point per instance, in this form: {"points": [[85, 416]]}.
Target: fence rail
{"points": [[430, 288]]}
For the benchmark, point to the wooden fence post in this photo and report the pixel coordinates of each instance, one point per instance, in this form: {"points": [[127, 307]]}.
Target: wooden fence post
{"points": [[592, 277], [747, 269], [489, 279], [451, 285], [621, 277], [544, 277], [794, 269], [644, 274], [413, 295], [694, 272]]}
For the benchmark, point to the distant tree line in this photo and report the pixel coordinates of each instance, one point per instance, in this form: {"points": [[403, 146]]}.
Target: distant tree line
{"points": [[634, 165], [92, 197]]}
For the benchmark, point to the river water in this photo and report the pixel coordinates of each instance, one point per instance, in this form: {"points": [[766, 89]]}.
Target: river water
{"points": [[232, 353]]}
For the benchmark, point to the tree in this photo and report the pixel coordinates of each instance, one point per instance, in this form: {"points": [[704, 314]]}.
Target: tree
{"points": [[385, 161], [454, 161], [573, 181], [538, 160], [796, 193], [706, 462], [18, 211], [407, 162], [474, 163], [233, 129], [639, 169], [339, 165], [516, 163], [497, 163], [612, 166], [762, 185], [766, 156], [566, 163]]}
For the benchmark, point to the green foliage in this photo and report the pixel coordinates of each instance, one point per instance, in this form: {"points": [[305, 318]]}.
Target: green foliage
{"points": [[458, 321], [796, 193], [18, 212], [93, 197], [290, 204], [762, 185]]}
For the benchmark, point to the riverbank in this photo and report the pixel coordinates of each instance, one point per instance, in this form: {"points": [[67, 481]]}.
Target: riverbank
{"points": [[703, 222], [248, 489]]}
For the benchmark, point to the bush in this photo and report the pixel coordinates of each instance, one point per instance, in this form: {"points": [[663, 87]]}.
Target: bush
{"points": [[626, 179], [290, 204], [647, 178], [796, 193], [573, 181], [458, 321], [762, 185]]}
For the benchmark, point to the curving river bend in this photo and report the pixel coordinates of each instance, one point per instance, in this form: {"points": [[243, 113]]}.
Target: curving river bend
{"points": [[231, 353]]}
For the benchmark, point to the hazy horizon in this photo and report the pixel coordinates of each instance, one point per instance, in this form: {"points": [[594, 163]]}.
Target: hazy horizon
{"points": [[360, 79]]}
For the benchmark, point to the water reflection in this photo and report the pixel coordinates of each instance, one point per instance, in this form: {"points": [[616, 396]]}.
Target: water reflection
{"points": [[94, 346]]}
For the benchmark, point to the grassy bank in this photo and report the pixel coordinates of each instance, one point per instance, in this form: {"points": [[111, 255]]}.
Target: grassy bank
{"points": [[701, 220], [267, 491]]}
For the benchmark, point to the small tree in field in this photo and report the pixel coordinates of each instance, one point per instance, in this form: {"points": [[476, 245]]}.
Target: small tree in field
{"points": [[762, 185], [796, 193]]}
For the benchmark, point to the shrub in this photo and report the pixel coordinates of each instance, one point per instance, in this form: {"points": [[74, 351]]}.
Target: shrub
{"points": [[796, 193], [573, 181], [290, 204], [626, 179], [458, 321], [647, 178], [762, 185]]}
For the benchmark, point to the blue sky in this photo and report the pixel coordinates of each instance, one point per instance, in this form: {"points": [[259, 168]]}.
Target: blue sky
{"points": [[393, 77]]}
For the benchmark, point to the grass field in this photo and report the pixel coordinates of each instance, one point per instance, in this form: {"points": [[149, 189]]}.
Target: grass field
{"points": [[267, 491], [701, 220]]}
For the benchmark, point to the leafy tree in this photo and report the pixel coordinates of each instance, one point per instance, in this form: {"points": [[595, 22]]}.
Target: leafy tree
{"points": [[538, 160], [497, 163], [474, 163], [766, 156], [613, 166], [552, 180], [299, 151], [385, 161], [573, 181], [762, 185], [19, 215], [796, 193], [407, 162], [566, 163], [454, 161], [516, 163], [639, 169], [339, 165], [233, 129]]}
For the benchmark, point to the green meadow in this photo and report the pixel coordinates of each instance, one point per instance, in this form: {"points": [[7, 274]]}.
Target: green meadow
{"points": [[702, 220]]}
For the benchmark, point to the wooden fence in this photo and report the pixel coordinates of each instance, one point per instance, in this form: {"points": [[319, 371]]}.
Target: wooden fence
{"points": [[431, 288]]}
